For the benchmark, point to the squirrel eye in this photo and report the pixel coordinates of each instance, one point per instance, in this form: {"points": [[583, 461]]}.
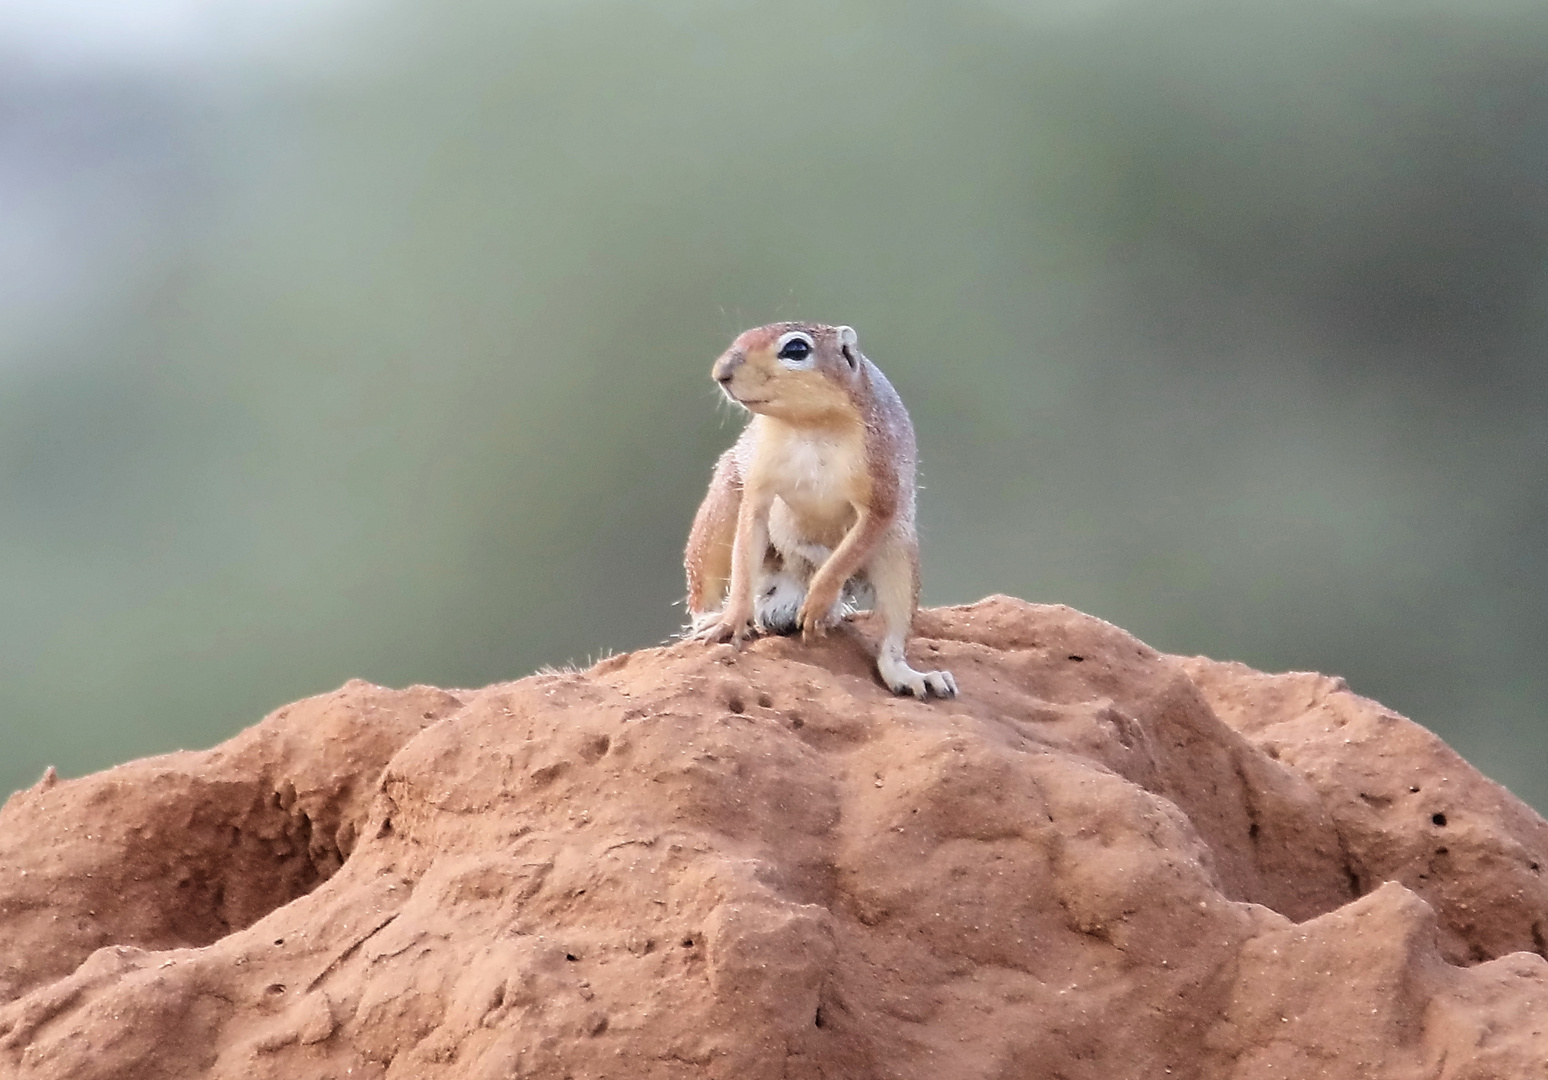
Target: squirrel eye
{"points": [[796, 349]]}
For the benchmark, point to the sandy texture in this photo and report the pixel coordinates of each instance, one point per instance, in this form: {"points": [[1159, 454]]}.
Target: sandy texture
{"points": [[1100, 862]]}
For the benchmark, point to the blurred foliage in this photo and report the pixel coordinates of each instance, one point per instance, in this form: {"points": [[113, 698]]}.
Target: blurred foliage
{"points": [[388, 357]]}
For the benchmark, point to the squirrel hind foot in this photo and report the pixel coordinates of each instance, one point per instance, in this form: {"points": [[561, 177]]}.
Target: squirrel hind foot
{"points": [[697, 622], [902, 679], [707, 627]]}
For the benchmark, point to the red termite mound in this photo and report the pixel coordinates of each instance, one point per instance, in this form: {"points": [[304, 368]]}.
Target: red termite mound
{"points": [[1100, 862]]}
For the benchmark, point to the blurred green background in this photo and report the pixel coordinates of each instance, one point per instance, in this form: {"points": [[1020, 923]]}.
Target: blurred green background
{"points": [[343, 339]]}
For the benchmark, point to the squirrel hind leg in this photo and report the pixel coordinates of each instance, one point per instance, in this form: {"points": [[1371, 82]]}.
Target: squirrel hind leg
{"points": [[893, 579], [707, 558]]}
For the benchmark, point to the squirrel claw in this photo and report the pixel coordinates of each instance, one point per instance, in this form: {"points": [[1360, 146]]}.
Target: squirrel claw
{"points": [[727, 631], [814, 616], [904, 680], [813, 623]]}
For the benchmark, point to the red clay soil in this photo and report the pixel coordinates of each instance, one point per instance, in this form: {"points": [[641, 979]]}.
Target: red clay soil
{"points": [[1100, 862]]}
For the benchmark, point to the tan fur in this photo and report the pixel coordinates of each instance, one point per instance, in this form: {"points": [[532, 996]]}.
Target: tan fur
{"points": [[708, 558], [815, 500]]}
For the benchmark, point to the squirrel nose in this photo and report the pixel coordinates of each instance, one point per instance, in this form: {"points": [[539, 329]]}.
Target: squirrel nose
{"points": [[726, 366]]}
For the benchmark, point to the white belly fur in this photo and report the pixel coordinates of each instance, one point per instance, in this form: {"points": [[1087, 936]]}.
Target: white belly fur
{"points": [[816, 478]]}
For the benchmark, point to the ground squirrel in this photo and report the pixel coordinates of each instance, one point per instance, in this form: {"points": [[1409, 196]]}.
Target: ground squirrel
{"points": [[814, 505]]}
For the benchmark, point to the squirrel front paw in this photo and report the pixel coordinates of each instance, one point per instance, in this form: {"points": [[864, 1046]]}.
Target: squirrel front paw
{"points": [[816, 614]]}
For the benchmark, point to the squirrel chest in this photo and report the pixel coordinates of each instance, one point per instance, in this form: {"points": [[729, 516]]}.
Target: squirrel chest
{"points": [[819, 475]]}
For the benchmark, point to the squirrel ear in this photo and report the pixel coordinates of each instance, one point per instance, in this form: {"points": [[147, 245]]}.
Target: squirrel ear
{"points": [[848, 339]]}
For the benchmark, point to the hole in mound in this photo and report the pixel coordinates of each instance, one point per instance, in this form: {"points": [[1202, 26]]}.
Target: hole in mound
{"points": [[188, 859], [240, 852], [1438, 819], [1355, 888], [182, 850], [594, 747]]}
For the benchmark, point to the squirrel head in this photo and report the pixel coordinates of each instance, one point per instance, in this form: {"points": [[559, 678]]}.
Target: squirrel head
{"points": [[798, 372]]}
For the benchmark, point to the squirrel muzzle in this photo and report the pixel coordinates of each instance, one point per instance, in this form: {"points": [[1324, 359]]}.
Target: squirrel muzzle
{"points": [[725, 367]]}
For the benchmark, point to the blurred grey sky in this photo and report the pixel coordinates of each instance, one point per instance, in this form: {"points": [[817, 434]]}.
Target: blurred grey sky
{"points": [[348, 339]]}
